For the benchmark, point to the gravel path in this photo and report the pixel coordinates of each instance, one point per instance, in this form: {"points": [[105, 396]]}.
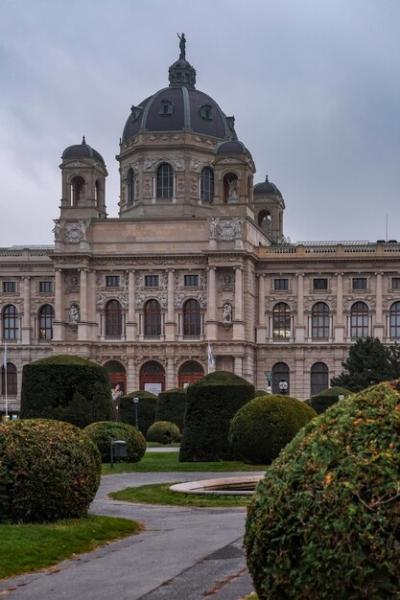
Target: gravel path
{"points": [[182, 554]]}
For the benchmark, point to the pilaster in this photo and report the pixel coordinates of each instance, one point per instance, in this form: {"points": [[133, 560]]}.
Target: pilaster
{"points": [[26, 322], [170, 325], [261, 327], [83, 305], [300, 328], [339, 333], [238, 324], [58, 327], [211, 325], [131, 324]]}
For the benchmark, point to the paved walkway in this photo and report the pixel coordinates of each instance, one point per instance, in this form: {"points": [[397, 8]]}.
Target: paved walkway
{"points": [[183, 553]]}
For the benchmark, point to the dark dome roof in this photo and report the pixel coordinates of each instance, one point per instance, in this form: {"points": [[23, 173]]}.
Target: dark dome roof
{"points": [[267, 187], [180, 107], [232, 147], [82, 150]]}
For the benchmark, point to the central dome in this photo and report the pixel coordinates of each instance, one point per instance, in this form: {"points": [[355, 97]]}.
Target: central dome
{"points": [[180, 107]]}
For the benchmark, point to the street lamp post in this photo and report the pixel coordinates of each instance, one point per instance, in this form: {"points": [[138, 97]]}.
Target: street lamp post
{"points": [[136, 405]]}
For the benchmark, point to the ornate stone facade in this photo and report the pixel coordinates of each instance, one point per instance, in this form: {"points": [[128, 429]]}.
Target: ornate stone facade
{"points": [[196, 257]]}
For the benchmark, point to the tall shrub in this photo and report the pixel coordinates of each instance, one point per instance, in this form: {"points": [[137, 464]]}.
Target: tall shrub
{"points": [[211, 403], [171, 406], [66, 388], [146, 409], [320, 402]]}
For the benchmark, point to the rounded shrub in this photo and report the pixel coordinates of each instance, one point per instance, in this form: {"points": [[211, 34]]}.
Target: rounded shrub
{"points": [[146, 409], [320, 402], [263, 426], [324, 522], [260, 393], [66, 388], [211, 403], [171, 406], [163, 432], [103, 433], [49, 470]]}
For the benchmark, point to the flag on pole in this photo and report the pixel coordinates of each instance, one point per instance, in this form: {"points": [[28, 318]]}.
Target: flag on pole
{"points": [[211, 359]]}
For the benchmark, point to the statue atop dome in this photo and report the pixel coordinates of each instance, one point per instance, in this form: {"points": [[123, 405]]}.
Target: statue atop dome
{"points": [[182, 46]]}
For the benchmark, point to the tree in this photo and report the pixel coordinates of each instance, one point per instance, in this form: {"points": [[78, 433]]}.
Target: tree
{"points": [[369, 362]]}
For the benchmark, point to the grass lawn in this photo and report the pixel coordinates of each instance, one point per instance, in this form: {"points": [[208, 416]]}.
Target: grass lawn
{"points": [[168, 461], [29, 547], [160, 493]]}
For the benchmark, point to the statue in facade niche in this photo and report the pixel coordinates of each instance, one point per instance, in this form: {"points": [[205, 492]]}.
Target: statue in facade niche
{"points": [[182, 46], [227, 313], [73, 314], [233, 190]]}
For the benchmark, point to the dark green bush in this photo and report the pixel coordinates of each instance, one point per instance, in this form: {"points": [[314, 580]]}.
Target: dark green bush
{"points": [[146, 409], [211, 403], [320, 402], [263, 426], [260, 393], [49, 470], [171, 406], [103, 433], [325, 520], [163, 432], [65, 388]]}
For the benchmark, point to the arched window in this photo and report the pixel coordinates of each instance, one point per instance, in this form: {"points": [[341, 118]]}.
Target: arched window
{"points": [[320, 321], [97, 193], [191, 318], [10, 323], [359, 320], [265, 220], [11, 387], [152, 377], [152, 319], [207, 185], [280, 378], [395, 320], [231, 188], [46, 318], [190, 372], [281, 322], [116, 374], [165, 182], [77, 185], [130, 187], [319, 378], [113, 316]]}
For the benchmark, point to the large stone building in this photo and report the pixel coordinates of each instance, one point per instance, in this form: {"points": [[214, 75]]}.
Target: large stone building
{"points": [[197, 257]]}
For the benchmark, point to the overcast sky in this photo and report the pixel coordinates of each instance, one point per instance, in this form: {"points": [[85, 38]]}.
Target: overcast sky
{"points": [[314, 86]]}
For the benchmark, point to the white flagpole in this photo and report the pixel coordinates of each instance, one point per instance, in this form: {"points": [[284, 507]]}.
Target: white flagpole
{"points": [[5, 379]]}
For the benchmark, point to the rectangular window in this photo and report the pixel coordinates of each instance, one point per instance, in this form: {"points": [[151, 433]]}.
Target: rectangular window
{"points": [[359, 283], [151, 281], [9, 287], [281, 284], [396, 283], [112, 281], [45, 287], [320, 284], [191, 280]]}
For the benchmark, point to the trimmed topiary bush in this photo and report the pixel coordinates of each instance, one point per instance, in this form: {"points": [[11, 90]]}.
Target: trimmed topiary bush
{"points": [[320, 402], [171, 406], [260, 393], [146, 409], [211, 403], [66, 388], [163, 432], [325, 520], [103, 433], [49, 470], [263, 426]]}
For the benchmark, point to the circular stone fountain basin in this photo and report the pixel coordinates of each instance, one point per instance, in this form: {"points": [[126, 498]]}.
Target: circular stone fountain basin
{"points": [[243, 485]]}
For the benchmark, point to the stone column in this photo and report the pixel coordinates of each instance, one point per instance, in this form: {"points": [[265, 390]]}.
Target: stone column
{"points": [[211, 329], [58, 328], [261, 327], [238, 366], [131, 380], [170, 381], [300, 333], [131, 325], [379, 325], [26, 323], [170, 325], [83, 305], [238, 325], [340, 324]]}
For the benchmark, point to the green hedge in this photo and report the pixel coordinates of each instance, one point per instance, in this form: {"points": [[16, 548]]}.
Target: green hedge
{"points": [[66, 388], [325, 521], [146, 409], [49, 470], [103, 433], [163, 432], [260, 393], [171, 406], [211, 403], [263, 426], [320, 402]]}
